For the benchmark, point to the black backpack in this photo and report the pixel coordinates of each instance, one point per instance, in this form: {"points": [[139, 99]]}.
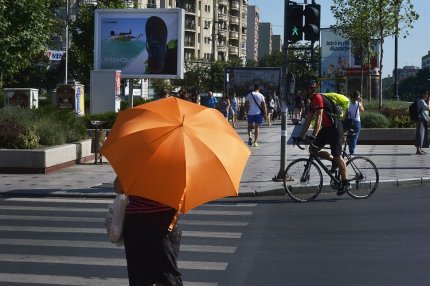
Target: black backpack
{"points": [[413, 110]]}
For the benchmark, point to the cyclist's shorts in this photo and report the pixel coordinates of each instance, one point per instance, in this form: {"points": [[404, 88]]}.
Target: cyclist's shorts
{"points": [[332, 135], [257, 119]]}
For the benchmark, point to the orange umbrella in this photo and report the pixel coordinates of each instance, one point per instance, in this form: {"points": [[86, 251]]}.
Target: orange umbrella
{"points": [[176, 152]]}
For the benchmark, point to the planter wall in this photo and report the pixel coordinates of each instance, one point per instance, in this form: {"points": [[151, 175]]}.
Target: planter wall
{"points": [[45, 160], [387, 136]]}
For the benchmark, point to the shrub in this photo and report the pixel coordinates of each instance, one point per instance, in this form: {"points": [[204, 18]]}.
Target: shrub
{"points": [[374, 120], [15, 136], [45, 126]]}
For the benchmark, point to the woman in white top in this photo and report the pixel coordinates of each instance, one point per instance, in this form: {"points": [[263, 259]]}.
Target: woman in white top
{"points": [[421, 134], [355, 107]]}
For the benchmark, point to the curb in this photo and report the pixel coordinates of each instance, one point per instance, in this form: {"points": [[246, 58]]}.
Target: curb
{"points": [[104, 191]]}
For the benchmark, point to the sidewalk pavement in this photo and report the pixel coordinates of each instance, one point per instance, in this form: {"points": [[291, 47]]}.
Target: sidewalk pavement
{"points": [[397, 164]]}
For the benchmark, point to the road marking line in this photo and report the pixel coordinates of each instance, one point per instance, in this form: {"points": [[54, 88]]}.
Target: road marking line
{"points": [[61, 200], [212, 223], [102, 230], [73, 280], [52, 218], [96, 219], [212, 234], [108, 245], [56, 209], [230, 213], [102, 261]]}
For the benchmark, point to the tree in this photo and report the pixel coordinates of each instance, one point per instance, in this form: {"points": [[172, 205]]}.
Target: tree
{"points": [[362, 21], [25, 29], [81, 52]]}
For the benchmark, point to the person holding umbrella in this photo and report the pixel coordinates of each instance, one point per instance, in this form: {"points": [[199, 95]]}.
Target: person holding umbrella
{"points": [[161, 152], [151, 250]]}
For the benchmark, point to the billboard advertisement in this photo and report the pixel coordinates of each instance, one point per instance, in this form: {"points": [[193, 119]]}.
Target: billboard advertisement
{"points": [[338, 61], [142, 43], [242, 80]]}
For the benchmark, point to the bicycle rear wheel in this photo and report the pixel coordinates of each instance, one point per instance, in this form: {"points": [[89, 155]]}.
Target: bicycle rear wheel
{"points": [[363, 176], [303, 181]]}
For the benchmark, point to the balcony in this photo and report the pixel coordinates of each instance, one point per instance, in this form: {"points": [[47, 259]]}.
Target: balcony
{"points": [[234, 20], [223, 3], [234, 5], [189, 44], [234, 35], [222, 17], [233, 50]]}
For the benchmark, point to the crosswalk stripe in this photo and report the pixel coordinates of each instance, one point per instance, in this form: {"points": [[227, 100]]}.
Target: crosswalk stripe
{"points": [[212, 234], [62, 200], [101, 261], [230, 213], [60, 280], [73, 280], [108, 201], [108, 245], [56, 209], [51, 218], [102, 230], [93, 219], [212, 223], [233, 205], [195, 212]]}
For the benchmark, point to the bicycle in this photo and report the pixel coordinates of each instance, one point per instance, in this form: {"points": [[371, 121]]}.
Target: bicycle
{"points": [[303, 179]]}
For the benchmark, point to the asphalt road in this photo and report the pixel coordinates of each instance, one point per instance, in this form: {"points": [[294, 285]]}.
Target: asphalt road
{"points": [[383, 240]]}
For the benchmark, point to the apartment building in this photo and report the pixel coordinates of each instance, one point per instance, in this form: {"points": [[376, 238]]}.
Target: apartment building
{"points": [[214, 29], [264, 39], [425, 62], [252, 34], [276, 43]]}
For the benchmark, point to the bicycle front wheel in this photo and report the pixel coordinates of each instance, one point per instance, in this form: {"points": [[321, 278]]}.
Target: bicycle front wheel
{"points": [[363, 176], [303, 180]]}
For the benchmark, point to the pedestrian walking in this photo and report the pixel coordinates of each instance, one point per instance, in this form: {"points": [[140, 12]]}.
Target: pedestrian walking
{"points": [[353, 113], [224, 105], [255, 107], [271, 109], [234, 108], [421, 132], [299, 104], [210, 100], [151, 250]]}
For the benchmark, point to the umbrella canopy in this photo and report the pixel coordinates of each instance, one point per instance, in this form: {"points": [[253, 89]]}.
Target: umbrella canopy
{"points": [[176, 152]]}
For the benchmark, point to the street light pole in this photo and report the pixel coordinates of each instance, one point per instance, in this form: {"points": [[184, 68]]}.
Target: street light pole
{"points": [[284, 93], [67, 42]]}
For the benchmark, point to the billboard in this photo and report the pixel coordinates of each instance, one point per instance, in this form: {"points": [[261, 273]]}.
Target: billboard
{"points": [[338, 61], [242, 80], [142, 43]]}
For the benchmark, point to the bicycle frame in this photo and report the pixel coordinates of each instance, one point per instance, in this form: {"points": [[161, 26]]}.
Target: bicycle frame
{"points": [[314, 157]]}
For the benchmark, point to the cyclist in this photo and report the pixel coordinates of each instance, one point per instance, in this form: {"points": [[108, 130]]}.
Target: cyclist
{"points": [[328, 129]]}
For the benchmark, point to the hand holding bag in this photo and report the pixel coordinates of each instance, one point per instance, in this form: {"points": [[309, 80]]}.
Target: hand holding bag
{"points": [[114, 219]]}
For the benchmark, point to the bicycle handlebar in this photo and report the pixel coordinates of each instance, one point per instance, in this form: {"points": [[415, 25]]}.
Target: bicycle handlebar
{"points": [[298, 140]]}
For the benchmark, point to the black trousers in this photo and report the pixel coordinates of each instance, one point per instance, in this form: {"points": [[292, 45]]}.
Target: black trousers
{"points": [[151, 250]]}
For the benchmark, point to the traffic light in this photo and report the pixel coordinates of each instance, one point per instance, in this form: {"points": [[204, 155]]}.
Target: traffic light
{"points": [[295, 22], [312, 22]]}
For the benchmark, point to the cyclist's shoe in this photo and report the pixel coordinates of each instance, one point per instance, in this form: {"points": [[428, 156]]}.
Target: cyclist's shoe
{"points": [[346, 186], [250, 141]]}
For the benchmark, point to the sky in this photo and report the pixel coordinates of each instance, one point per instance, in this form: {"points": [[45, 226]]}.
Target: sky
{"points": [[410, 49]]}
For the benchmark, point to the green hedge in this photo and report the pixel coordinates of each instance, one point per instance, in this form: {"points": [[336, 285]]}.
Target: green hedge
{"points": [[32, 128]]}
